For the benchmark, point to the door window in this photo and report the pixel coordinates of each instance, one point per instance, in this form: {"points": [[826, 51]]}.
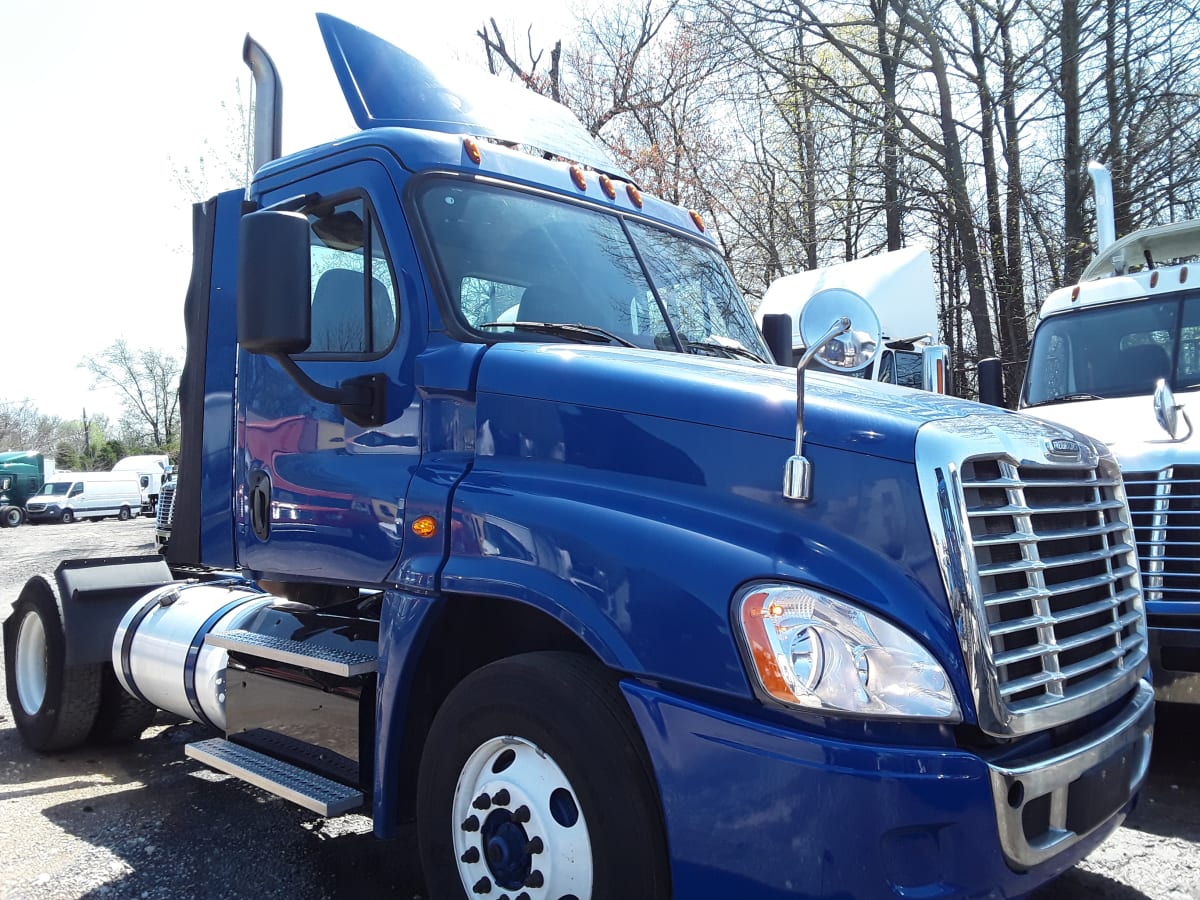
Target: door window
{"points": [[354, 309]]}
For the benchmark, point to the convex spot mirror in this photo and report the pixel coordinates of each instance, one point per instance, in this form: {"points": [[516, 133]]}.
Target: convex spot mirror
{"points": [[848, 352]]}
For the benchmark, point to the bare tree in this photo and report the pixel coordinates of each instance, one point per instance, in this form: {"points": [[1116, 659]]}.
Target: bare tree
{"points": [[148, 383]]}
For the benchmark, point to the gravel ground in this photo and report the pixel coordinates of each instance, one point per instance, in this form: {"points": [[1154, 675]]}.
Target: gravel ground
{"points": [[143, 821]]}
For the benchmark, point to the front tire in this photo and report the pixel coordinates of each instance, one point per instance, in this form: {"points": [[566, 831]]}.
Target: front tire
{"points": [[534, 777], [68, 516], [54, 705], [11, 517]]}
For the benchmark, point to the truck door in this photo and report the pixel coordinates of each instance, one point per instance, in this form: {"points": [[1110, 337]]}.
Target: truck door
{"points": [[318, 496]]}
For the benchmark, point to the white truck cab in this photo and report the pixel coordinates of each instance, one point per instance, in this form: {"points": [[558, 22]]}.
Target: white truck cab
{"points": [[1117, 356]]}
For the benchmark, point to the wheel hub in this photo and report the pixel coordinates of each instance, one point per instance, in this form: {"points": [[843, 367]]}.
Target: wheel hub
{"points": [[31, 666], [506, 846]]}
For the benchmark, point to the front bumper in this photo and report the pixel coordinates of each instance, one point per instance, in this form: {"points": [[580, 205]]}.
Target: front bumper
{"points": [[756, 810], [1175, 662]]}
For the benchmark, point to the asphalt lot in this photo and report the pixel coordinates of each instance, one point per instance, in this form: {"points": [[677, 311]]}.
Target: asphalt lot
{"points": [[143, 821]]}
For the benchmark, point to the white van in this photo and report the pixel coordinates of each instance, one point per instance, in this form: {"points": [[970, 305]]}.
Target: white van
{"points": [[86, 495]]}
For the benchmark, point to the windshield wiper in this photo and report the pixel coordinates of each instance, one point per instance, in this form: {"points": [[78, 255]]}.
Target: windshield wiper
{"points": [[726, 350], [1066, 398], [579, 332]]}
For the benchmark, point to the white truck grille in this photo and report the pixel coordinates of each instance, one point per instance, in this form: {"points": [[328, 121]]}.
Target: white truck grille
{"points": [[166, 505], [1165, 507]]}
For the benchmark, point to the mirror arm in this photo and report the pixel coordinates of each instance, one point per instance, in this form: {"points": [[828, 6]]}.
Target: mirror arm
{"points": [[797, 474], [362, 400]]}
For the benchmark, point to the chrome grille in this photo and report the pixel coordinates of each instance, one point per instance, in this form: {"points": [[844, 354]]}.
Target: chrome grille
{"points": [[1165, 508], [166, 505], [1057, 587]]}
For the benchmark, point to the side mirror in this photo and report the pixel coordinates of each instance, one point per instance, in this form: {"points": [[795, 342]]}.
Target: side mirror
{"points": [[1167, 411], [777, 331], [274, 302], [852, 350], [991, 381]]}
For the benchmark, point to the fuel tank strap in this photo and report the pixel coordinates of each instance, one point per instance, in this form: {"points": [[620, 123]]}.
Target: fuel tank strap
{"points": [[193, 654]]}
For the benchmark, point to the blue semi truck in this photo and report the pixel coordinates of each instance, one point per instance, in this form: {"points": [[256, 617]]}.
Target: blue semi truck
{"points": [[494, 513]]}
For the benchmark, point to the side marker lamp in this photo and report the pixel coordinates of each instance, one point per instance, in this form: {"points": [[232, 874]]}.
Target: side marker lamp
{"points": [[424, 526], [471, 147], [809, 649]]}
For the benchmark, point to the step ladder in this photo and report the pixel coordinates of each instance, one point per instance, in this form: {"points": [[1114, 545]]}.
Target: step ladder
{"points": [[314, 792]]}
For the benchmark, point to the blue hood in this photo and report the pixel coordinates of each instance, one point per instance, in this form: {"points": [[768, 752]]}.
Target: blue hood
{"points": [[840, 412]]}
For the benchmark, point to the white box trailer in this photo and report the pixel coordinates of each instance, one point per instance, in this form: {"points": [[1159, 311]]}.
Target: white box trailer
{"points": [[150, 468]]}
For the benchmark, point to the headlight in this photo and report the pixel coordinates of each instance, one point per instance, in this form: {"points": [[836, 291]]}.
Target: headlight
{"points": [[810, 649]]}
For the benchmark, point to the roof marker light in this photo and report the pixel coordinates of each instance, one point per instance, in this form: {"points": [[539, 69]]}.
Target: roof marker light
{"points": [[696, 218], [472, 150], [578, 176], [1075, 294], [606, 185], [1183, 275], [1154, 279], [635, 196]]}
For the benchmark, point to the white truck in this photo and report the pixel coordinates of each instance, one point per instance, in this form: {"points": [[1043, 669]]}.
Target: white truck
{"points": [[899, 287], [1117, 356], [149, 468]]}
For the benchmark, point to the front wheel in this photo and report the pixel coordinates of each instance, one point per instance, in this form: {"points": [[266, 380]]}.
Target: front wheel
{"points": [[10, 517], [54, 705], [68, 517], [534, 780]]}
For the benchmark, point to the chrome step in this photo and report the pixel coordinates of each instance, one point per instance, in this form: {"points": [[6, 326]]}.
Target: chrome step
{"points": [[322, 659], [322, 796]]}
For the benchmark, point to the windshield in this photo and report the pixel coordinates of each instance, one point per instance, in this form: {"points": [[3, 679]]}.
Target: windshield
{"points": [[55, 488], [508, 257], [1119, 350]]}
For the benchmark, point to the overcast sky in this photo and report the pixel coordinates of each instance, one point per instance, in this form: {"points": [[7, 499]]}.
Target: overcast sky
{"points": [[102, 103]]}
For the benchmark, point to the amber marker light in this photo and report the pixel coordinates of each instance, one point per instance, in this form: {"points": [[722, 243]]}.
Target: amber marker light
{"points": [[472, 150], [696, 218], [1075, 294], [578, 176], [424, 526], [635, 196], [1183, 275], [753, 616], [610, 189]]}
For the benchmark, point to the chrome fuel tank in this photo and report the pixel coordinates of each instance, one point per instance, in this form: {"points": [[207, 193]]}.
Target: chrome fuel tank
{"points": [[159, 652]]}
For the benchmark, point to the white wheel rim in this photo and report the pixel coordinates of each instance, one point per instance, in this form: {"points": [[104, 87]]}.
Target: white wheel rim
{"points": [[518, 825], [31, 666]]}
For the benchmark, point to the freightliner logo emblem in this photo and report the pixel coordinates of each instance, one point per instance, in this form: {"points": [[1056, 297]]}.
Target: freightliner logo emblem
{"points": [[1064, 447]]}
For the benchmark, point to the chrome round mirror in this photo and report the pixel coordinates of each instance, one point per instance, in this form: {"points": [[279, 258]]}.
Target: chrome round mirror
{"points": [[851, 351], [1166, 410]]}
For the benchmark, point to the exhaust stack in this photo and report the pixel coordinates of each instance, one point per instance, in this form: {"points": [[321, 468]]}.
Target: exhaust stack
{"points": [[1106, 224], [268, 104]]}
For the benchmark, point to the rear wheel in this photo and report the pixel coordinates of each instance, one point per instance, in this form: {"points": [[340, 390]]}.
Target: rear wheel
{"points": [[124, 514], [534, 780], [68, 516], [54, 705], [122, 717]]}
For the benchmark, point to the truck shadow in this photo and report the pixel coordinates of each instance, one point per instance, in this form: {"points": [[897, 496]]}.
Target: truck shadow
{"points": [[159, 825]]}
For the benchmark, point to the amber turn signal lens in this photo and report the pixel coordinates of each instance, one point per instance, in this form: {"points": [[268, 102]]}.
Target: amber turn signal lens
{"points": [[424, 526], [472, 150]]}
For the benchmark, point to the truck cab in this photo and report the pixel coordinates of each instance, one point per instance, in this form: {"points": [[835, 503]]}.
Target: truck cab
{"points": [[1118, 356], [494, 514]]}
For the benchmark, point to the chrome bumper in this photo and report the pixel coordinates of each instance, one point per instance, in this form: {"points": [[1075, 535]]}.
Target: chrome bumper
{"points": [[1044, 804]]}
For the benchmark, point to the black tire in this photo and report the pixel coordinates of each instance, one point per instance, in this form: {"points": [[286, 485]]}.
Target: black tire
{"points": [[68, 516], [124, 515], [565, 711], [54, 705], [11, 516], [122, 717]]}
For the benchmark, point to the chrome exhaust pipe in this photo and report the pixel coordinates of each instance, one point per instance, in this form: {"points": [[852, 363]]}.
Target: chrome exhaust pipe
{"points": [[1106, 223], [268, 104]]}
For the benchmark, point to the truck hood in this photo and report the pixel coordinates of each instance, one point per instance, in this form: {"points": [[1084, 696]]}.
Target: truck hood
{"points": [[840, 412], [1128, 426]]}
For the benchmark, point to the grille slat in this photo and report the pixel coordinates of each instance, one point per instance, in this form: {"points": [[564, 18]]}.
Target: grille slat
{"points": [[1056, 562], [1165, 510]]}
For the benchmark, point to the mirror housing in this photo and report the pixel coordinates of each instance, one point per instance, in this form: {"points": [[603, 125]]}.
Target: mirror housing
{"points": [[274, 302], [1167, 411], [991, 381], [777, 331]]}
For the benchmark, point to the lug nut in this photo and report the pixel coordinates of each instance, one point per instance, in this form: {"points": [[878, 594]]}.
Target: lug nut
{"points": [[483, 801], [501, 798], [535, 846], [471, 824], [471, 856], [483, 885], [534, 879], [521, 815]]}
